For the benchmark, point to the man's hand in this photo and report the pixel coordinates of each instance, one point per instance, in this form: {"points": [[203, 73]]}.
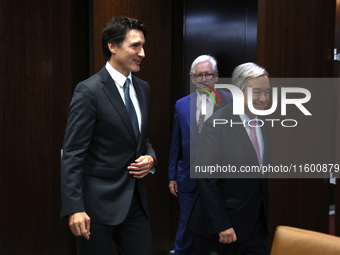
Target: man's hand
{"points": [[227, 236], [80, 224], [173, 187], [141, 167]]}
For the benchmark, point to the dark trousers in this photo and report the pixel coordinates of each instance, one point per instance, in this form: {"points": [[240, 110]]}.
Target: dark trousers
{"points": [[257, 244], [131, 237], [205, 246], [183, 241]]}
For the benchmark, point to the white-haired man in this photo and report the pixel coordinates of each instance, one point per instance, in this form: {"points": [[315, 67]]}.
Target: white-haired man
{"points": [[188, 122], [230, 216]]}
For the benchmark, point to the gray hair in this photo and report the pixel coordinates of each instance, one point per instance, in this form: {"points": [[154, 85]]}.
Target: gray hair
{"points": [[244, 71], [204, 58]]}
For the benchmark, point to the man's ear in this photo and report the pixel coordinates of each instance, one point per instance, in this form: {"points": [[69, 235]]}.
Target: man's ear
{"points": [[112, 47], [192, 78]]}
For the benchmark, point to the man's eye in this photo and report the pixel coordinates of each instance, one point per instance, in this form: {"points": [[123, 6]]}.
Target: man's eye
{"points": [[135, 45]]}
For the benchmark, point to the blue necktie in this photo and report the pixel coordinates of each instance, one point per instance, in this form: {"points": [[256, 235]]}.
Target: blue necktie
{"points": [[131, 110]]}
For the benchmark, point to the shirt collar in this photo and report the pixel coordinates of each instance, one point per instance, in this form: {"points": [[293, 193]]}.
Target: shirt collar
{"points": [[209, 99], [244, 117], [117, 76]]}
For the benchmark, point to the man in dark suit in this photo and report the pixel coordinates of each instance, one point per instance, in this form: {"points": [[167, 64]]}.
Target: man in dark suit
{"points": [[187, 116], [106, 151], [230, 216]]}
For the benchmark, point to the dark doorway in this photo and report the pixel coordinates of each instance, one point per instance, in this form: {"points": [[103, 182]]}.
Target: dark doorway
{"points": [[226, 30]]}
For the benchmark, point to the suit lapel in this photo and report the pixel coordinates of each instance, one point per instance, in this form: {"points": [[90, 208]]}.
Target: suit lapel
{"points": [[224, 99], [112, 93], [266, 142], [193, 121], [141, 100], [218, 103]]}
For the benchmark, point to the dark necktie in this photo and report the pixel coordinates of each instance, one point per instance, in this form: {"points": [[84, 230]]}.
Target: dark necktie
{"points": [[129, 106]]}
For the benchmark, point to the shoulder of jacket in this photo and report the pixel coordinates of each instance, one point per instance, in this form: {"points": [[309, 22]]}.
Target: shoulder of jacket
{"points": [[185, 100]]}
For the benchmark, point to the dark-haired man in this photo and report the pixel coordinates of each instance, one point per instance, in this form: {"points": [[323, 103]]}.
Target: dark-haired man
{"points": [[106, 151]]}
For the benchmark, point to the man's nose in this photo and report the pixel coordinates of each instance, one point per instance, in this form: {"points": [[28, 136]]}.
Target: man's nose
{"points": [[263, 97], [141, 53]]}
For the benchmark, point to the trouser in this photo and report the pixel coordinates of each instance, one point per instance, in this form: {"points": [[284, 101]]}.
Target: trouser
{"points": [[183, 241], [131, 237]]}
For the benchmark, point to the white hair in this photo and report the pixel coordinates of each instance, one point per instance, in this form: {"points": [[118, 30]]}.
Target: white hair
{"points": [[204, 58], [244, 71]]}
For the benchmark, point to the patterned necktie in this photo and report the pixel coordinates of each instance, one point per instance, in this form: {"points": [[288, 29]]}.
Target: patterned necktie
{"points": [[203, 109], [131, 110], [200, 122], [253, 138]]}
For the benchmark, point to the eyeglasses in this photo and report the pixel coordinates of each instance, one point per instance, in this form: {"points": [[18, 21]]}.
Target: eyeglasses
{"points": [[208, 76]]}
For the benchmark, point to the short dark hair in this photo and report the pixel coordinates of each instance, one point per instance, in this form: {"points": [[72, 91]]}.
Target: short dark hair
{"points": [[116, 30]]}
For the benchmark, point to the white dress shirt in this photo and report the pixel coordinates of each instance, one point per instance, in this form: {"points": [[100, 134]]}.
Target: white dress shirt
{"points": [[119, 80]]}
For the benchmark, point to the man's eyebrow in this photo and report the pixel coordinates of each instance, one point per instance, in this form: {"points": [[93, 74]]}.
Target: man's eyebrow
{"points": [[261, 89], [137, 43]]}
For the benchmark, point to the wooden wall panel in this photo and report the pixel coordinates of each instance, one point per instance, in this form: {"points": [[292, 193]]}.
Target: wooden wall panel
{"points": [[35, 91], [295, 39], [71, 64], [155, 69], [177, 91]]}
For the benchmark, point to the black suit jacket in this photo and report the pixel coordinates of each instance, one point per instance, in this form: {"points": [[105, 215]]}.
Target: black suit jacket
{"points": [[99, 144], [224, 203]]}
